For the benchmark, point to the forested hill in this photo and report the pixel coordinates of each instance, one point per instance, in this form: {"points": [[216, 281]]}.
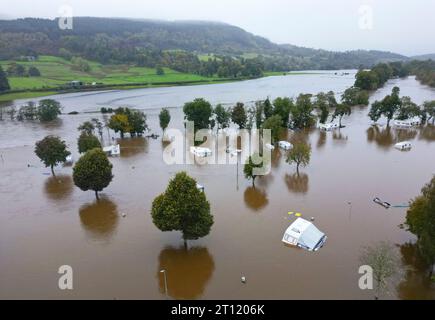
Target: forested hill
{"points": [[149, 42]]}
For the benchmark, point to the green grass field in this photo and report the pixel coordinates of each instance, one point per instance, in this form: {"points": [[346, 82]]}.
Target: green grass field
{"points": [[56, 71]]}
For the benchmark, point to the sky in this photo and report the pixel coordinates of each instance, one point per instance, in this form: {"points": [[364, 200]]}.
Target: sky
{"points": [[401, 26]]}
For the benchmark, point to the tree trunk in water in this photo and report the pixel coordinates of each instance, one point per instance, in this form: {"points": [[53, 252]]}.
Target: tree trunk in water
{"points": [[52, 171], [297, 169], [185, 244], [96, 195], [122, 134], [253, 182], [388, 122]]}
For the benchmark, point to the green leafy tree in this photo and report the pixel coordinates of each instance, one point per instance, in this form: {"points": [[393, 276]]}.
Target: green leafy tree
{"points": [[93, 171], [274, 123], [34, 72], [160, 71], [300, 154], [52, 151], [340, 111], [408, 109], [429, 110], [137, 121], [254, 161], [164, 119], [87, 127], [119, 123], [199, 111], [387, 107], [4, 83], [87, 142], [321, 103], [223, 116], [239, 116], [268, 108], [420, 219], [367, 80], [354, 96], [48, 110], [183, 207], [282, 107], [301, 113]]}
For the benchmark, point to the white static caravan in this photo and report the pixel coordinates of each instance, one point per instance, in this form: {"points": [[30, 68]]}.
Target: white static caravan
{"points": [[328, 126], [200, 152], [414, 122], [114, 150], [303, 234], [405, 145], [285, 145]]}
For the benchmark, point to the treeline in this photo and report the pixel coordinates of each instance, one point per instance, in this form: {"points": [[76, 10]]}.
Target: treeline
{"points": [[170, 44], [377, 76]]}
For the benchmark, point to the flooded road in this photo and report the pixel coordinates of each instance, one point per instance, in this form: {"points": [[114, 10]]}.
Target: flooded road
{"points": [[47, 222]]}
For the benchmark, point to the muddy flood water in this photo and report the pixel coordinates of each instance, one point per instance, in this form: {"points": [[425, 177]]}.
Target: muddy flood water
{"points": [[46, 221]]}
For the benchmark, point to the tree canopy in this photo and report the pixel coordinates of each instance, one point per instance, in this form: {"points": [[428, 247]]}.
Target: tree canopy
{"points": [[183, 207], [93, 171], [164, 118], [239, 116], [199, 111], [52, 151], [299, 154]]}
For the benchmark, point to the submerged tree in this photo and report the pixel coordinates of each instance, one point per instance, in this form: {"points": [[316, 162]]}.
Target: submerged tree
{"points": [[48, 109], [341, 110], [387, 107], [183, 207], [223, 116], [429, 110], [384, 262], [274, 123], [252, 167], [93, 171], [420, 220], [239, 116], [119, 123], [52, 151], [199, 111], [164, 118], [86, 127], [87, 142], [299, 154]]}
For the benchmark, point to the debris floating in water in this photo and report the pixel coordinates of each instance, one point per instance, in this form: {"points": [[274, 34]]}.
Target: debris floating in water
{"points": [[123, 214], [243, 279], [385, 204]]}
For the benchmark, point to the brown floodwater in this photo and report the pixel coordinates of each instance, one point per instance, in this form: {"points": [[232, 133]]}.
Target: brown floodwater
{"points": [[116, 252]]}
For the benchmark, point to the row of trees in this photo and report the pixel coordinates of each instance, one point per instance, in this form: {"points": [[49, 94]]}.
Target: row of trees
{"points": [[401, 108], [18, 70], [377, 76], [93, 171], [4, 83], [46, 110], [126, 120]]}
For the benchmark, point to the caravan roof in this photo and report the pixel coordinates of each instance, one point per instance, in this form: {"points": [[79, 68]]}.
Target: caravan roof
{"points": [[304, 234]]}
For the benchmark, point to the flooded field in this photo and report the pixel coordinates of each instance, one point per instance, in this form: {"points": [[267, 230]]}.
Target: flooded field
{"points": [[46, 222]]}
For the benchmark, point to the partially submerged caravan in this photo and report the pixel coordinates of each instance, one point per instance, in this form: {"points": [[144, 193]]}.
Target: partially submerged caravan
{"points": [[413, 122], [200, 151], [285, 145], [113, 150], [404, 145], [328, 126], [304, 234]]}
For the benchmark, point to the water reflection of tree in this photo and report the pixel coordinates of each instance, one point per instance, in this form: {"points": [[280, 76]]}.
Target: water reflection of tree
{"points": [[99, 219], [387, 136], [59, 187], [133, 146], [383, 137], [416, 283], [322, 139], [255, 198], [297, 183], [339, 137], [427, 133], [187, 271]]}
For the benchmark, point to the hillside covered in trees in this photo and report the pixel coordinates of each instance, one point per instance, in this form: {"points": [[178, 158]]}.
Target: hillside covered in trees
{"points": [[176, 45]]}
